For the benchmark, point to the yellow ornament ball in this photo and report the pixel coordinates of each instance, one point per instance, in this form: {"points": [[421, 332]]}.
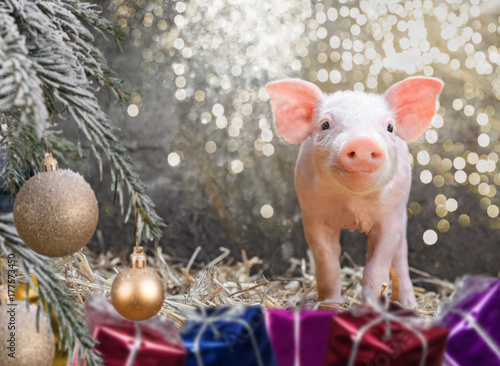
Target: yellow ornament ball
{"points": [[22, 345], [56, 212], [137, 293]]}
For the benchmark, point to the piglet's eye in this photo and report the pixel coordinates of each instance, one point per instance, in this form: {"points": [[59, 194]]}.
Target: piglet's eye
{"points": [[390, 127], [325, 125]]}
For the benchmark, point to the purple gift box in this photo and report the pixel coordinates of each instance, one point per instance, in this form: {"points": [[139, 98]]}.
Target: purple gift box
{"points": [[473, 318], [299, 337]]}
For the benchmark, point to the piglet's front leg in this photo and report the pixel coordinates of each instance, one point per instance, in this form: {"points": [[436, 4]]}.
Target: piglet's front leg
{"points": [[383, 247], [324, 243], [400, 266]]}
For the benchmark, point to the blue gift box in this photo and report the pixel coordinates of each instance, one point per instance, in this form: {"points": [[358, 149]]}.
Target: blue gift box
{"points": [[227, 337]]}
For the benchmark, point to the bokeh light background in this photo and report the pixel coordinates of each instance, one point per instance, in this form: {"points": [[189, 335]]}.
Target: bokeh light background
{"points": [[199, 123]]}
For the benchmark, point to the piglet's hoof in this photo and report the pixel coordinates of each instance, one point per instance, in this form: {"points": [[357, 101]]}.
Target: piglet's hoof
{"points": [[335, 302]]}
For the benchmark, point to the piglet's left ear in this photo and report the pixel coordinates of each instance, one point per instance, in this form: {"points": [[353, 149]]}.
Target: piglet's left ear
{"points": [[413, 102]]}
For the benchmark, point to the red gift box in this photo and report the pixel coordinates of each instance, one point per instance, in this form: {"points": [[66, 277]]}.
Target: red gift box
{"points": [[154, 342], [384, 335], [124, 345]]}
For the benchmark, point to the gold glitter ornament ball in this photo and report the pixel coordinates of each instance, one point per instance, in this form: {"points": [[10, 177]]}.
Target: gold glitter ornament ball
{"points": [[56, 213], [30, 347], [137, 293]]}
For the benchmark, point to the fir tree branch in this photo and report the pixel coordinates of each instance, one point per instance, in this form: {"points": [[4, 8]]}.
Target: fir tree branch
{"points": [[49, 66], [20, 88], [54, 295], [65, 62], [20, 149]]}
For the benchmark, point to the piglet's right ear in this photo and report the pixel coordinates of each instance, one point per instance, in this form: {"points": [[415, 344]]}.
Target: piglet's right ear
{"points": [[294, 102]]}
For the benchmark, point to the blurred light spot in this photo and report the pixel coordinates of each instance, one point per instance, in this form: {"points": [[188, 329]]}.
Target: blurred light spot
{"points": [[483, 189], [267, 211], [322, 75], [460, 176], [441, 211], [233, 145], [206, 118], [268, 149], [482, 119], [430, 237], [484, 203], [180, 94], [492, 211], [335, 76], [132, 110], [267, 135], [448, 145], [423, 157], [457, 104], [483, 140], [210, 147], [437, 121], [459, 163], [431, 136], [173, 159], [451, 205], [438, 181], [236, 166], [218, 110], [464, 220], [440, 199], [446, 164], [426, 176], [482, 166], [472, 158], [221, 122], [415, 208], [443, 225], [199, 96], [180, 7], [468, 110]]}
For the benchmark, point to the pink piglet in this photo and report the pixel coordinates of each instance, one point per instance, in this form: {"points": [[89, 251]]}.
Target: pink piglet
{"points": [[353, 172]]}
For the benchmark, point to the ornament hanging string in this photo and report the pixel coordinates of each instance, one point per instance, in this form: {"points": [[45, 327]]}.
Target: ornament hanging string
{"points": [[48, 140], [135, 218]]}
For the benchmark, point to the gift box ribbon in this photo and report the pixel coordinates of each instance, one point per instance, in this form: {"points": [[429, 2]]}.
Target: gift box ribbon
{"points": [[136, 346], [296, 335], [381, 308], [231, 315], [479, 329]]}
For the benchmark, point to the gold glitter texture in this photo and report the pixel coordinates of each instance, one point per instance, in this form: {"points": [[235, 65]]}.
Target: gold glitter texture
{"points": [[31, 347], [56, 213]]}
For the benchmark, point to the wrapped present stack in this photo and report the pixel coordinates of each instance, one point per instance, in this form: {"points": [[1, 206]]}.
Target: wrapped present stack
{"points": [[380, 332]]}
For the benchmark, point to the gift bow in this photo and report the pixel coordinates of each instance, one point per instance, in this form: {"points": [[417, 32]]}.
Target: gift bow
{"points": [[227, 315], [381, 308]]}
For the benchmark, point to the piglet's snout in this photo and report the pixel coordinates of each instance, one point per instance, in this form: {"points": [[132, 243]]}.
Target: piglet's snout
{"points": [[362, 154]]}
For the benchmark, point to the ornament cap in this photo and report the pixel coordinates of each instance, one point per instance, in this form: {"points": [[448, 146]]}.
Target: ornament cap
{"points": [[138, 258], [49, 164]]}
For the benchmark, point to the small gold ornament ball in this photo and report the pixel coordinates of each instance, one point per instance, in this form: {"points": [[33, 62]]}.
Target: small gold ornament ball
{"points": [[30, 347], [56, 213], [137, 293]]}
